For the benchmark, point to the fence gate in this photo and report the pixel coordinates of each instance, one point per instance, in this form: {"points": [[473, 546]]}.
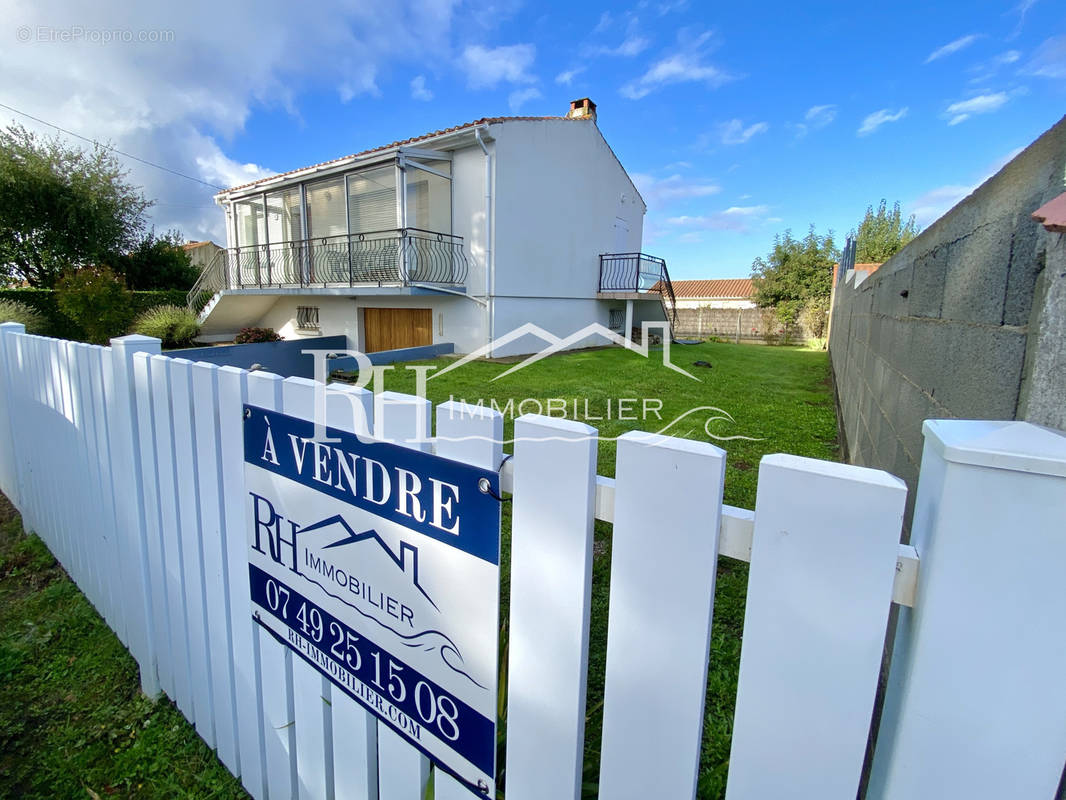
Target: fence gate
{"points": [[130, 466]]}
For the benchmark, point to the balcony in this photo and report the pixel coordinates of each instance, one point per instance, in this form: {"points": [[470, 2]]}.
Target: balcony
{"points": [[633, 275], [393, 258]]}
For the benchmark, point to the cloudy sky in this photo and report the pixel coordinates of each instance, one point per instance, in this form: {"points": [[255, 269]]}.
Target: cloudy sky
{"points": [[735, 125]]}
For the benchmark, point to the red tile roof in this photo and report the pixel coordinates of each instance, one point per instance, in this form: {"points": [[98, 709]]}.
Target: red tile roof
{"points": [[402, 142], [726, 288], [1052, 215]]}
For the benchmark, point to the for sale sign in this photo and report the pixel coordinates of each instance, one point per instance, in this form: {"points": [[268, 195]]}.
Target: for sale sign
{"points": [[379, 565]]}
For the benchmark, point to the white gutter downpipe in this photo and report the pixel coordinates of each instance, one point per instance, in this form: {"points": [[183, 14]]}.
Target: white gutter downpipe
{"points": [[490, 262]]}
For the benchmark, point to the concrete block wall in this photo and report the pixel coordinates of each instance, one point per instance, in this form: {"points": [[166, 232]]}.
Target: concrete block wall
{"points": [[968, 321]]}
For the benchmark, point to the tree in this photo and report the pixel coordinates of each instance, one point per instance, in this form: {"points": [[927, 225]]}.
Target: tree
{"points": [[157, 262], [97, 300], [62, 207], [795, 272], [882, 233]]}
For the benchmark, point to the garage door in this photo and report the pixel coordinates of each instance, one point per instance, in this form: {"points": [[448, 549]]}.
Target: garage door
{"points": [[393, 328]]}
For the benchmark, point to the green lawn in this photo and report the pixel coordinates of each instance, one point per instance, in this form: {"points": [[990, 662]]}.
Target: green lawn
{"points": [[72, 721], [779, 395]]}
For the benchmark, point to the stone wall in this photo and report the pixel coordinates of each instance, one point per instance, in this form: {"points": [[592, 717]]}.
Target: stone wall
{"points": [[967, 321]]}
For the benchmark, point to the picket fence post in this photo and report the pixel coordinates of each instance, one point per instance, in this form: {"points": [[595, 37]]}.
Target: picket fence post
{"points": [[129, 498], [551, 588], [823, 562], [976, 702], [473, 435], [664, 557], [355, 730], [9, 399]]}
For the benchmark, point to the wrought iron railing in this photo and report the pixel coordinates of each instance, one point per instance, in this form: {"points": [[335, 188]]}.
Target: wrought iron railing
{"points": [[638, 272], [396, 257]]}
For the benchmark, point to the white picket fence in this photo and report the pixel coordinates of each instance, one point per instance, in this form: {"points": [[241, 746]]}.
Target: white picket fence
{"points": [[129, 465]]}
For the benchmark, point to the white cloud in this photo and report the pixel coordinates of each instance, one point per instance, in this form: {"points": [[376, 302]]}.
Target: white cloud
{"points": [[487, 67], [659, 191], [605, 22], [820, 116], [630, 46], [1049, 60], [953, 47], [734, 218], [419, 90], [686, 63], [932, 205], [519, 97], [734, 132], [180, 102], [566, 77], [815, 118], [981, 104], [875, 120]]}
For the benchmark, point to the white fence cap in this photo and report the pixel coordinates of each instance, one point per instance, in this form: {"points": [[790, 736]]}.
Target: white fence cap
{"points": [[1018, 446]]}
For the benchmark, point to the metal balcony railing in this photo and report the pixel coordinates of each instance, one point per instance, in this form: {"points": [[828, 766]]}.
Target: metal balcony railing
{"points": [[399, 257], [638, 272]]}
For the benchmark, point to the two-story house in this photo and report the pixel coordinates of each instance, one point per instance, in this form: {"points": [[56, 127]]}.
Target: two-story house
{"points": [[458, 236]]}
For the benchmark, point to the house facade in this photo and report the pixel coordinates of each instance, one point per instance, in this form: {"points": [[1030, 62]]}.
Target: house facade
{"points": [[458, 236]]}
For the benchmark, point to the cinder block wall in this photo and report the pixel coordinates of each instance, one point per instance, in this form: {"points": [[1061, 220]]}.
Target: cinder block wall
{"points": [[967, 321]]}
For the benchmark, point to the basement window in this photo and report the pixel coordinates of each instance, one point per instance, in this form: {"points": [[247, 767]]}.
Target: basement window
{"points": [[616, 318], [307, 318]]}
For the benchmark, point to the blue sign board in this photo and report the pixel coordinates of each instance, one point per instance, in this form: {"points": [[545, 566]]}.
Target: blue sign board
{"points": [[379, 566]]}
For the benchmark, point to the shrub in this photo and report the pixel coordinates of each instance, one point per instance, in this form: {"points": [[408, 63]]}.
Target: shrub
{"points": [[255, 335], [14, 311], [176, 326], [97, 300]]}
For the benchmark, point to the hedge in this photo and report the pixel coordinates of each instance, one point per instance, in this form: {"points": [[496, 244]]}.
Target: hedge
{"points": [[63, 327]]}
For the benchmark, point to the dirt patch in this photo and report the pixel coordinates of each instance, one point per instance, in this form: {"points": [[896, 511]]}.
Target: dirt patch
{"points": [[741, 464]]}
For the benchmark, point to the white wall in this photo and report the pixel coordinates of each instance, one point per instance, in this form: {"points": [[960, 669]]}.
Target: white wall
{"points": [[455, 319], [559, 189], [699, 303]]}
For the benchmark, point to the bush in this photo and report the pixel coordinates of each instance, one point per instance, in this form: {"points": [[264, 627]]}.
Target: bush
{"points": [[256, 335], [14, 311], [61, 326], [97, 300], [176, 326]]}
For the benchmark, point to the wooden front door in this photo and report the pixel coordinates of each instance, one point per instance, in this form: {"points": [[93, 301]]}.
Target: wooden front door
{"points": [[393, 328]]}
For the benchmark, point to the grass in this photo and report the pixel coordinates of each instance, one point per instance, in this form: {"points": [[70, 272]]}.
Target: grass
{"points": [[778, 395], [73, 723]]}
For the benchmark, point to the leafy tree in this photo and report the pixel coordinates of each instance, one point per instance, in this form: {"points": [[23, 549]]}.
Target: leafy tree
{"points": [[157, 262], [97, 300], [795, 272], [62, 207], [882, 233]]}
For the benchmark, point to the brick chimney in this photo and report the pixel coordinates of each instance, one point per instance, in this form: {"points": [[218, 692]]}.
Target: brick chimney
{"points": [[582, 108]]}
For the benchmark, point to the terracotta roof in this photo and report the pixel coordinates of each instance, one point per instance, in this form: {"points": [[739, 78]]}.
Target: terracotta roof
{"points": [[402, 142], [194, 245], [727, 288], [1052, 215]]}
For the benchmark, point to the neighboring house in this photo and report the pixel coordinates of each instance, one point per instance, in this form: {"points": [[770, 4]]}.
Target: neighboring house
{"points": [[458, 236], [719, 293], [201, 254]]}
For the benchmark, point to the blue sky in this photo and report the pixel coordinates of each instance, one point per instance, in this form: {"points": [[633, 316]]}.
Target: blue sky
{"points": [[736, 125]]}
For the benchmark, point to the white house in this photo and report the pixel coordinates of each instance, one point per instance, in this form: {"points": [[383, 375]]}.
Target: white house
{"points": [[457, 236]]}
